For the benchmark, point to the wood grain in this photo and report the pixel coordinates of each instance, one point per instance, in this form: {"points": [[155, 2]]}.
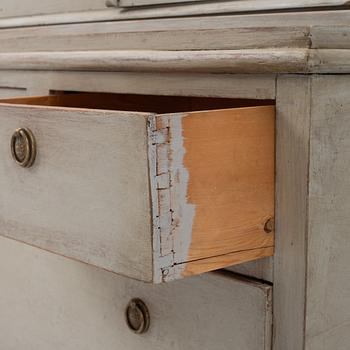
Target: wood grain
{"points": [[250, 61], [259, 87], [131, 102], [222, 181], [196, 267]]}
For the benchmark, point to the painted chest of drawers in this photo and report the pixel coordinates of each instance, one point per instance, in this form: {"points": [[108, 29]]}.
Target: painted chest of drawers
{"points": [[161, 140]]}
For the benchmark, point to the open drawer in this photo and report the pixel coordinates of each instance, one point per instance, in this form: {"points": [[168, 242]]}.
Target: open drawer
{"points": [[155, 195]]}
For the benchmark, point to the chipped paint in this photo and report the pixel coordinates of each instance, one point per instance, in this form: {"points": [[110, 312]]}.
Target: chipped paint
{"points": [[183, 211], [152, 161], [172, 215], [192, 237]]}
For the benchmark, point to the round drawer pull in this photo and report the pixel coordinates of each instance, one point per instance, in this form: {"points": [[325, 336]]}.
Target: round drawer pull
{"points": [[137, 316], [23, 147]]}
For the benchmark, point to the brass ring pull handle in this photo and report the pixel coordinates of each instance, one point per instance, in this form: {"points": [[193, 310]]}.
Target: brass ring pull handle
{"points": [[23, 147], [137, 316]]}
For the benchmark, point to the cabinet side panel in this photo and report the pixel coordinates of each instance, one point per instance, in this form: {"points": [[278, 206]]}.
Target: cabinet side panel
{"points": [[328, 279], [292, 171]]}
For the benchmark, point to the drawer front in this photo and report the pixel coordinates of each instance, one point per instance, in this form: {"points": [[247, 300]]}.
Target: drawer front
{"points": [[17, 8], [155, 197], [48, 302], [87, 194]]}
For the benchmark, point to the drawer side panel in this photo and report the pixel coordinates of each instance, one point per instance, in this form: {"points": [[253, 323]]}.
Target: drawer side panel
{"points": [[222, 170]]}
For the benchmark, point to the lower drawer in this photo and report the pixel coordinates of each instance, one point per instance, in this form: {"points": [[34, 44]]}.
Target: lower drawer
{"points": [[153, 188], [48, 302]]}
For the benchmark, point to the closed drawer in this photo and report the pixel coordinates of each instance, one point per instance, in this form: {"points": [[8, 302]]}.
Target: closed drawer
{"points": [[151, 196], [48, 302], [17, 8]]}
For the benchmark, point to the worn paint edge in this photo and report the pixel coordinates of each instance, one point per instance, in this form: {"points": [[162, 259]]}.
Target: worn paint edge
{"points": [[176, 214], [173, 216], [183, 211], [155, 215]]}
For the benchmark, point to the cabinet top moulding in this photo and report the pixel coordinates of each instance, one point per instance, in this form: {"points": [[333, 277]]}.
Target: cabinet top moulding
{"points": [[307, 30], [252, 61], [28, 18]]}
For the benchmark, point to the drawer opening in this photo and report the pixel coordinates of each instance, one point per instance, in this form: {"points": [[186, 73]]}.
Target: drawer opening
{"points": [[183, 188], [135, 103]]}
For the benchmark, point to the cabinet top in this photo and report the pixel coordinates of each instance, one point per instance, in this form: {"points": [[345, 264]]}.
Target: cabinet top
{"points": [[16, 13], [304, 42]]}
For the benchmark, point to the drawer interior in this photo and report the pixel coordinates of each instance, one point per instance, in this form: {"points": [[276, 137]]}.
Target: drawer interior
{"points": [[136, 103]]}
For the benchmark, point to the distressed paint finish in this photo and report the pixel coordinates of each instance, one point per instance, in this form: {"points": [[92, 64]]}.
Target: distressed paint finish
{"points": [[328, 269], [211, 183], [293, 112], [218, 192], [17, 14], [49, 302], [79, 198]]}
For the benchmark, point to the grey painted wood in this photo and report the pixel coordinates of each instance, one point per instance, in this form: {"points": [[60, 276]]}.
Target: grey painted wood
{"points": [[316, 17], [116, 36], [49, 302], [130, 18], [328, 282], [249, 61], [331, 37], [211, 61], [293, 128], [8, 92], [87, 195], [261, 269], [176, 34], [15, 8], [208, 85], [237, 86]]}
